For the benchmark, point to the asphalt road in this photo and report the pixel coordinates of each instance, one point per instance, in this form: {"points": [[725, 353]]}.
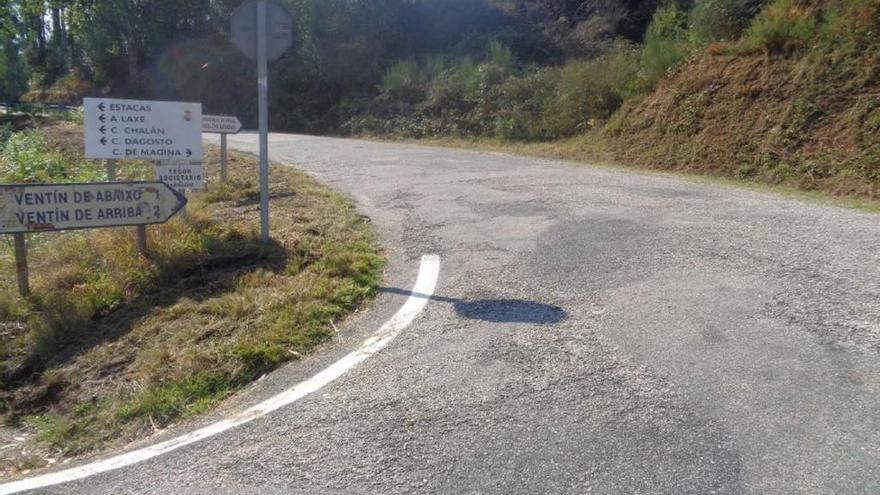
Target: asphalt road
{"points": [[593, 330]]}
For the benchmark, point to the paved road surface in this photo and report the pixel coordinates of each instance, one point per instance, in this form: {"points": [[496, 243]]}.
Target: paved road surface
{"points": [[594, 331]]}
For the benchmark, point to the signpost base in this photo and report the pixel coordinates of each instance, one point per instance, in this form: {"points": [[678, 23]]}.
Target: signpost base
{"points": [[142, 239], [223, 157], [21, 265], [111, 170]]}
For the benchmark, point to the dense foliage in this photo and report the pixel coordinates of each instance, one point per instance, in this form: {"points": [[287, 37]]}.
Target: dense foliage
{"points": [[60, 50], [514, 69]]}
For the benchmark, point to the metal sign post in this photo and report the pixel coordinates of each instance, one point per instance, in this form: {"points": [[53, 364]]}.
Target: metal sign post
{"points": [[262, 29], [263, 106]]}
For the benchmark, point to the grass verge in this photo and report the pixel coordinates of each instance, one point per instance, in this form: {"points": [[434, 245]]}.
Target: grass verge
{"points": [[113, 346]]}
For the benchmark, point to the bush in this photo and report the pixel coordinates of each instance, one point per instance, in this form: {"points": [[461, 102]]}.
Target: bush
{"points": [[500, 56], [434, 66], [855, 23], [721, 20], [589, 90], [403, 82], [782, 27], [521, 102], [457, 88], [666, 45], [27, 159]]}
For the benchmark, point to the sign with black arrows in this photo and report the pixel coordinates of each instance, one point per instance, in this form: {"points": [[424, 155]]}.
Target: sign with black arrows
{"points": [[142, 130], [46, 207]]}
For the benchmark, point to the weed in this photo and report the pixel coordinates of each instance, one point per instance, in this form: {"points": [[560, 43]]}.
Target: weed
{"points": [[666, 45], [403, 82], [27, 158], [782, 27], [721, 20]]}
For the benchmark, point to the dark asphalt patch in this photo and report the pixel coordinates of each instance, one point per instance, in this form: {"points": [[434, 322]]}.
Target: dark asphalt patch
{"points": [[510, 311]]}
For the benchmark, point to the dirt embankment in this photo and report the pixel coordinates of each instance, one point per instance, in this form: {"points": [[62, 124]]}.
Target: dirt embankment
{"points": [[811, 121]]}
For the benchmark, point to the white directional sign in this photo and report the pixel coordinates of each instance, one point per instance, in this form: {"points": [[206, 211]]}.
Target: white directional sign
{"points": [[45, 207], [182, 175], [145, 130], [221, 124], [279, 29]]}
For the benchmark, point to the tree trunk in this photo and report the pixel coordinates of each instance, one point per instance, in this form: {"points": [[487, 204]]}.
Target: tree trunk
{"points": [[58, 40], [39, 26], [134, 79]]}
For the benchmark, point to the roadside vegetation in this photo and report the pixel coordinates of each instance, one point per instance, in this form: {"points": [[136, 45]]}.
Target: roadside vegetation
{"points": [[112, 345], [780, 92], [769, 91]]}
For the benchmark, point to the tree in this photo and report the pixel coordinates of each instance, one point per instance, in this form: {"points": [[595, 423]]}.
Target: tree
{"points": [[13, 71]]}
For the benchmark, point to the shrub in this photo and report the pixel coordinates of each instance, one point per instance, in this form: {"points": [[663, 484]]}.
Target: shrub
{"points": [[434, 66], [721, 20], [664, 48], [458, 87], [403, 82], [26, 158], [521, 102], [500, 56], [589, 90], [782, 27], [855, 23]]}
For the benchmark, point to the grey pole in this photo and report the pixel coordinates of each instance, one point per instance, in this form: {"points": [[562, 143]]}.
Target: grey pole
{"points": [[111, 170], [21, 265], [223, 157], [263, 107]]}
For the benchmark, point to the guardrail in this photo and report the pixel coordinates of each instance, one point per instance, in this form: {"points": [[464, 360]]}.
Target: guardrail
{"points": [[20, 107]]}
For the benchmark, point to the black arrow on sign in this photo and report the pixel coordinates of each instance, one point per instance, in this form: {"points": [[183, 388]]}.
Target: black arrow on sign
{"points": [[104, 141], [102, 118], [189, 152], [103, 129], [101, 106]]}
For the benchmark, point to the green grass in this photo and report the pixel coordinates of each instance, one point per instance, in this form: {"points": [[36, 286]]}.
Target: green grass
{"points": [[783, 27], [116, 345]]}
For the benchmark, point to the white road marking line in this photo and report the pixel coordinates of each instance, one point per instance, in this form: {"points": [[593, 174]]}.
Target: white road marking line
{"points": [[429, 272]]}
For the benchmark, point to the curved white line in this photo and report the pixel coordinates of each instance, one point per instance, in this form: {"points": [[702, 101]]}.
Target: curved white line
{"points": [[429, 271]]}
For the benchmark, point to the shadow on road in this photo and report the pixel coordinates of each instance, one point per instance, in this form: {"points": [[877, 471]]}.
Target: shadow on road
{"points": [[495, 310]]}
